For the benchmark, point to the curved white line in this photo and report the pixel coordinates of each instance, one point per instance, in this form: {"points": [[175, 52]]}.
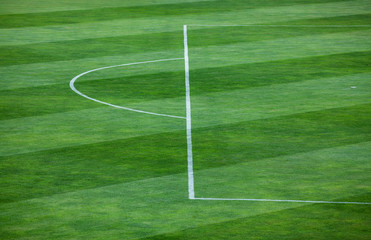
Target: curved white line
{"points": [[72, 82]]}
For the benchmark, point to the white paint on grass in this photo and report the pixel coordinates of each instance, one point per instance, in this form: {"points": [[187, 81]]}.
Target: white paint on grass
{"points": [[288, 26], [191, 191], [72, 86], [278, 200]]}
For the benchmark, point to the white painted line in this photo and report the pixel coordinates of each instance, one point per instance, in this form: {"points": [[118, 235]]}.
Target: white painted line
{"points": [[289, 26], [191, 191], [278, 200], [72, 82]]}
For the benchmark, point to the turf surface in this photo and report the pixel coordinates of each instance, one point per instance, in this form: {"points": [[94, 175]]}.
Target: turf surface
{"points": [[277, 113]]}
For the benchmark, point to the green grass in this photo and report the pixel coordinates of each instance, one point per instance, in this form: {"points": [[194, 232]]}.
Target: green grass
{"points": [[104, 14], [277, 113]]}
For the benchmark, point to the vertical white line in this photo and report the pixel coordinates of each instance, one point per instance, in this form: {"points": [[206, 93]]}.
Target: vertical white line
{"points": [[191, 190]]}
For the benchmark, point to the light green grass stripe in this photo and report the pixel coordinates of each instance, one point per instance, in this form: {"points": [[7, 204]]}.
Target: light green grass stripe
{"points": [[38, 74], [278, 49], [70, 128], [280, 99], [166, 24], [317, 175], [23, 6], [79, 127], [135, 44], [29, 75], [159, 205]]}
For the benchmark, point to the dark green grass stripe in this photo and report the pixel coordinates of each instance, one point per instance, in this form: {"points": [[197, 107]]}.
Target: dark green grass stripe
{"points": [[278, 72], [36, 101], [359, 19], [112, 46], [57, 98], [218, 36], [242, 76], [316, 221], [61, 170], [253, 140], [105, 14], [89, 48]]}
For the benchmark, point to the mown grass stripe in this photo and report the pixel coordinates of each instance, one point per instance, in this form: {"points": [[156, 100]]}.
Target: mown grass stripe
{"points": [[321, 175], [89, 166], [40, 6], [343, 154], [153, 10], [113, 28], [150, 10], [292, 223], [73, 88], [25, 102], [116, 203], [93, 165], [302, 132], [41, 74], [211, 109], [78, 49], [82, 172], [89, 48], [279, 49], [279, 99], [69, 129], [359, 19]]}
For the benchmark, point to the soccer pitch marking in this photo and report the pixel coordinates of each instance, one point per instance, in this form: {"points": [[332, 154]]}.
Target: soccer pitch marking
{"points": [[191, 191], [288, 26], [72, 86]]}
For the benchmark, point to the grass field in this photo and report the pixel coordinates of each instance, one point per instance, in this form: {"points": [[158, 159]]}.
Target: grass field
{"points": [[280, 95]]}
